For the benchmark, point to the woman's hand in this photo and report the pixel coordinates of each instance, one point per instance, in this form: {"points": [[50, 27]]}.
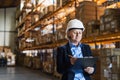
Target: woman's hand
{"points": [[89, 70], [72, 59]]}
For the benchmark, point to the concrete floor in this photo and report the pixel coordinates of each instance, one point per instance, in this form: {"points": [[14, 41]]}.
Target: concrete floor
{"points": [[18, 73]]}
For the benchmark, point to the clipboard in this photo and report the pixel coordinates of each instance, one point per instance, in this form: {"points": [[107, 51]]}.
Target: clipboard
{"points": [[85, 62]]}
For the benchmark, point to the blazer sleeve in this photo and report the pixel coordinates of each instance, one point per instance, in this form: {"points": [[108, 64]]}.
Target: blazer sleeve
{"points": [[63, 61], [87, 52], [92, 55], [60, 65]]}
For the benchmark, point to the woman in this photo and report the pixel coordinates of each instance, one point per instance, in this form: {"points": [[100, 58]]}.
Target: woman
{"points": [[68, 54]]}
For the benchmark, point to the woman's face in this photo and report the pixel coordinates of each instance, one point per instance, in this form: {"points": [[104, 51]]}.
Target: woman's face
{"points": [[75, 35]]}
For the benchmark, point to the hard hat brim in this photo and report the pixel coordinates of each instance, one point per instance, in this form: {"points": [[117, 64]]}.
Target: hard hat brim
{"points": [[75, 28]]}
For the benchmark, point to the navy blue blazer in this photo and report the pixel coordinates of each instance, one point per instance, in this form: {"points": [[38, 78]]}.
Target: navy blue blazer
{"points": [[63, 61]]}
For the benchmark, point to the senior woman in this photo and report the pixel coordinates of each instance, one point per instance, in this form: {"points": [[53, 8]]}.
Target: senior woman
{"points": [[68, 53]]}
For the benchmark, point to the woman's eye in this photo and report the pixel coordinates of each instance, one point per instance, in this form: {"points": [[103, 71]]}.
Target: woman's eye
{"points": [[77, 32]]}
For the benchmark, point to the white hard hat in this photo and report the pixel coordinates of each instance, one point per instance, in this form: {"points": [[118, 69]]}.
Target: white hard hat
{"points": [[75, 24]]}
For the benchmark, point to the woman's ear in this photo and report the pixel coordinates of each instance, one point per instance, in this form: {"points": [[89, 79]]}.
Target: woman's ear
{"points": [[68, 35]]}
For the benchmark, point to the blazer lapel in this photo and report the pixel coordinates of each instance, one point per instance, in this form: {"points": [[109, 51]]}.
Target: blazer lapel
{"points": [[68, 49]]}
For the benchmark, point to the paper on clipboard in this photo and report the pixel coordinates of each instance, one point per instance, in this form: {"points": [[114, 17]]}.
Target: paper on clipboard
{"points": [[85, 62]]}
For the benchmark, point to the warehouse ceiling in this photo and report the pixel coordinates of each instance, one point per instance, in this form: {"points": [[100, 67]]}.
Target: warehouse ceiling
{"points": [[9, 3]]}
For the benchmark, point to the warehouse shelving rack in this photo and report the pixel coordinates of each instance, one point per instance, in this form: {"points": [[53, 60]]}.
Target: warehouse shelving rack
{"points": [[101, 38]]}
